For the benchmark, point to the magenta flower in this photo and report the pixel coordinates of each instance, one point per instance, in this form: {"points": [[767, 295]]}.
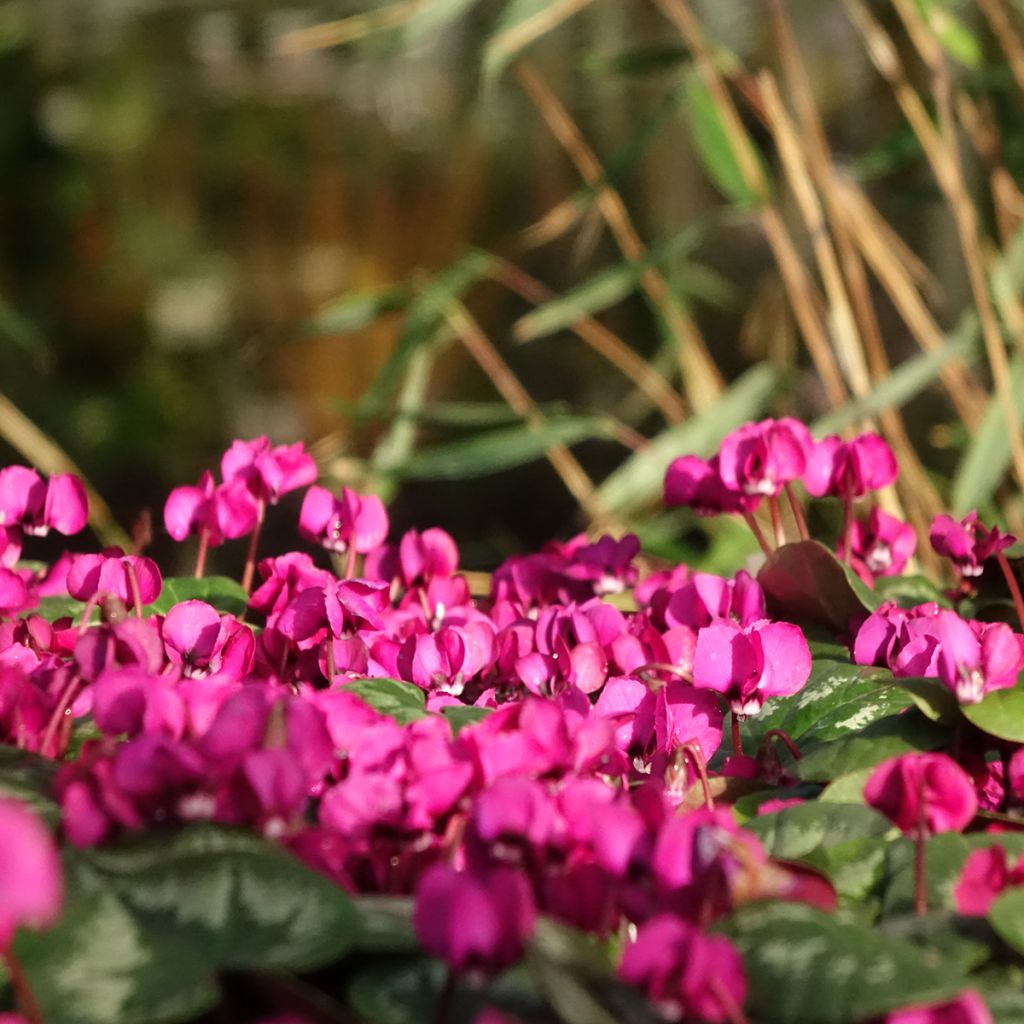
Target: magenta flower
{"points": [[849, 469], [31, 880], [127, 577], [338, 523], [974, 659], [474, 920], [223, 512], [268, 472], [985, 875], [967, 1008], [882, 544], [967, 543], [697, 484], [199, 639], [758, 459], [706, 597], [38, 506], [923, 794], [749, 664], [684, 972]]}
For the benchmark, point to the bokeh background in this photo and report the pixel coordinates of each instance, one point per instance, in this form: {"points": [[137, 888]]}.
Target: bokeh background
{"points": [[224, 219]]}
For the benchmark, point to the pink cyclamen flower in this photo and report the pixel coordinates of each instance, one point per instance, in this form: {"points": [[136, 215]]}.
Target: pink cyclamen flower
{"points": [[922, 794], [976, 658], [114, 572], [882, 544], [268, 472], [31, 880], [760, 458], [337, 523], [967, 543], [697, 484], [223, 511], [986, 873], [967, 1008], [38, 506], [474, 920], [849, 469], [749, 664], [684, 972]]}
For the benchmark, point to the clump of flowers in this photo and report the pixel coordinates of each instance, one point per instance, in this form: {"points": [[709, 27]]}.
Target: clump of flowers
{"points": [[542, 756]]}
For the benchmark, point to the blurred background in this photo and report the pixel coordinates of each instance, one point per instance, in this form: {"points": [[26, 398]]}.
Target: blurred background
{"points": [[499, 260]]}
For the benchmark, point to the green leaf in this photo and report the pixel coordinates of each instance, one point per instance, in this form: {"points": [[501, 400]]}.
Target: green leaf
{"points": [[358, 310], [987, 457], [908, 591], [934, 700], [795, 832], [897, 734], [54, 608], [713, 145], [905, 381], [29, 778], [641, 478], [847, 789], [945, 856], [605, 288], [1001, 713], [224, 593], [425, 317], [1007, 918], [460, 717], [808, 967], [837, 700], [386, 924], [805, 582], [148, 924], [494, 451], [401, 701]]}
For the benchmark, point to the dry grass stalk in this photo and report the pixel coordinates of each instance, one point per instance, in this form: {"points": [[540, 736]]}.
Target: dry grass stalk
{"points": [[508, 385], [348, 30], [513, 39], [1006, 35], [702, 381], [603, 341], [799, 287], [46, 455]]}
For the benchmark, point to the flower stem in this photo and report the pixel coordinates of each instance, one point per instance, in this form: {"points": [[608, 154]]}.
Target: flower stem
{"points": [[844, 537], [442, 1010], [696, 755], [780, 533], [1014, 586], [350, 562], [254, 543], [798, 513], [757, 532], [133, 583], [22, 990], [204, 544], [787, 740], [737, 742]]}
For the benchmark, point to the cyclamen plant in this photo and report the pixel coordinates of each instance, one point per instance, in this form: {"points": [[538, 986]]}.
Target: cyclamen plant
{"points": [[515, 805]]}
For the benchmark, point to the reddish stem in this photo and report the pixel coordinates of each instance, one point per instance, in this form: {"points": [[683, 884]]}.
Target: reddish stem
{"points": [[781, 734], [332, 668], [1014, 586], [254, 543], [350, 562], [133, 583], [757, 531], [22, 990], [798, 513], [733, 1011], [443, 1008], [780, 533], [47, 744], [737, 742], [844, 537], [693, 751], [204, 544]]}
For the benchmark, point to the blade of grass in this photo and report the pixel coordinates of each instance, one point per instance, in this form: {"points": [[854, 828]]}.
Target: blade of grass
{"points": [[522, 22], [702, 381], [639, 480], [46, 455], [349, 30], [603, 341]]}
